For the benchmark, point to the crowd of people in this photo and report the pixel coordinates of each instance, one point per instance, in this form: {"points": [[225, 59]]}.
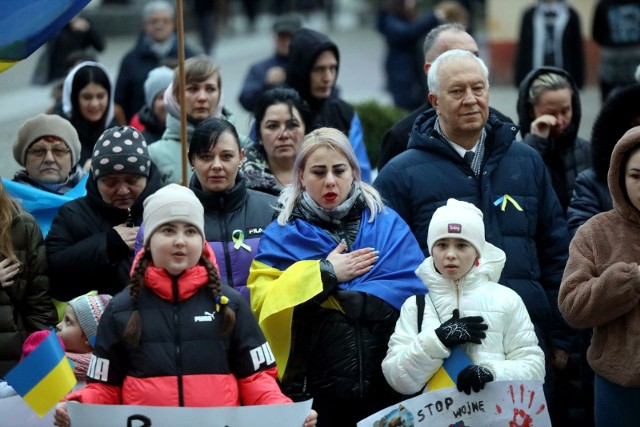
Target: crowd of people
{"points": [[512, 240]]}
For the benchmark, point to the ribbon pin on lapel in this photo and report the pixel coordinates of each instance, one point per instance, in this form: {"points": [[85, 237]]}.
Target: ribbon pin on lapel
{"points": [[504, 199], [238, 240]]}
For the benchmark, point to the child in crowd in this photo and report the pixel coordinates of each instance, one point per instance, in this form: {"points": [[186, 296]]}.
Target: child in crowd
{"points": [[175, 278], [78, 330], [495, 330], [30, 344]]}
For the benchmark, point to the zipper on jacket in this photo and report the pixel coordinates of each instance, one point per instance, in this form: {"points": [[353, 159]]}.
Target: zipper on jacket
{"points": [[176, 337], [458, 291], [225, 245], [360, 361]]}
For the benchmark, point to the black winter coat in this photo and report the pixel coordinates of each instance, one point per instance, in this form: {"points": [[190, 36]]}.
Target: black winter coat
{"points": [[238, 209], [25, 306], [84, 251], [134, 68]]}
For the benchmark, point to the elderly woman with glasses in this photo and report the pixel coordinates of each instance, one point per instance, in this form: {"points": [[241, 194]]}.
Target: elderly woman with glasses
{"points": [[48, 148]]}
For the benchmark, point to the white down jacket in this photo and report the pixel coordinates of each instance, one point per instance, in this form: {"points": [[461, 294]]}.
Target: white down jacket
{"points": [[510, 350]]}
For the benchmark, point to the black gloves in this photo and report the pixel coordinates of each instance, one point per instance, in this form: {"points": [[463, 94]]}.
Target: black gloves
{"points": [[459, 331], [473, 377]]}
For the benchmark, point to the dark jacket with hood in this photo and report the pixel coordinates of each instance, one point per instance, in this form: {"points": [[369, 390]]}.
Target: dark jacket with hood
{"points": [[306, 46], [532, 231], [84, 251], [591, 193], [565, 156], [395, 140]]}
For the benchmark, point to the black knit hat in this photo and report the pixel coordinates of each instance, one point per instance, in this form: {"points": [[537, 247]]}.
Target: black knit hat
{"points": [[120, 150]]}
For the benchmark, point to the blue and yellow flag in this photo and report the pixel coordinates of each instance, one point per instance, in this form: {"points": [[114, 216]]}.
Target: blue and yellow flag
{"points": [[28, 24], [43, 377], [447, 375], [43, 205]]}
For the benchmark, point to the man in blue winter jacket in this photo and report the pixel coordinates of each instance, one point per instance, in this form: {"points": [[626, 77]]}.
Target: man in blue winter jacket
{"points": [[465, 153]]}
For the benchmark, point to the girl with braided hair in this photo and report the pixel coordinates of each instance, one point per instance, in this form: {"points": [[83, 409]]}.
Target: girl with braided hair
{"points": [[178, 336]]}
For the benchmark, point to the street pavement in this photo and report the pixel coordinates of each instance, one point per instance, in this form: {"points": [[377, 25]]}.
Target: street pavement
{"points": [[360, 78]]}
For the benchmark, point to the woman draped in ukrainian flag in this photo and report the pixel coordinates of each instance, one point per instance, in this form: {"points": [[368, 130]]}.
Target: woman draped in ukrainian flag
{"points": [[328, 281]]}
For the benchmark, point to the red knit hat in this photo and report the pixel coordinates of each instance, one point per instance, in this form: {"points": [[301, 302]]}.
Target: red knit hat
{"points": [[34, 341]]}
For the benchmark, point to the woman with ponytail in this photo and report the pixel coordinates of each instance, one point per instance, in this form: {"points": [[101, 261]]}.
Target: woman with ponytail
{"points": [[176, 298]]}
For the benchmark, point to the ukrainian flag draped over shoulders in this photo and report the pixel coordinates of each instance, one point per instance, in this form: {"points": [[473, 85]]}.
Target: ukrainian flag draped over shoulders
{"points": [[28, 24], [286, 271], [43, 205]]}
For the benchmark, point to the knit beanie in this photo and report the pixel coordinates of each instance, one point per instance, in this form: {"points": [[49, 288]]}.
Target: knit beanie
{"points": [[157, 81], [457, 219], [171, 203], [119, 150], [34, 340], [89, 309], [46, 125]]}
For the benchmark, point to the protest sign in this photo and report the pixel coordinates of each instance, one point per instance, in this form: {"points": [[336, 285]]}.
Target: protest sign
{"points": [[500, 404], [285, 415]]}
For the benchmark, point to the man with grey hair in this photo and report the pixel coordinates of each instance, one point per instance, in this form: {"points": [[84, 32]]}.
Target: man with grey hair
{"points": [[465, 153], [439, 40], [157, 45]]}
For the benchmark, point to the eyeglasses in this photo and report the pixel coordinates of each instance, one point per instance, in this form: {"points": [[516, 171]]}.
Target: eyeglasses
{"points": [[41, 152]]}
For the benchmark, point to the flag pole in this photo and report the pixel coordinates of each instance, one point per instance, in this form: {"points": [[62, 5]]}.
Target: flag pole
{"points": [[181, 90]]}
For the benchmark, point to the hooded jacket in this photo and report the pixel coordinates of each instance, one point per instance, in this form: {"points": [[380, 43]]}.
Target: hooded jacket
{"points": [[84, 251], [532, 232], [88, 132], [591, 193], [565, 156], [601, 284], [510, 350], [25, 306], [183, 358], [306, 46]]}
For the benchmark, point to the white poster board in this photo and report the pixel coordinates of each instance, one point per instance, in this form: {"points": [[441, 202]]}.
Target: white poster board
{"points": [[14, 412], [500, 404], [286, 415]]}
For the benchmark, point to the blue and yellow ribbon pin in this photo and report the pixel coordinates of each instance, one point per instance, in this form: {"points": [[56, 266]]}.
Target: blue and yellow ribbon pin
{"points": [[238, 240], [504, 199]]}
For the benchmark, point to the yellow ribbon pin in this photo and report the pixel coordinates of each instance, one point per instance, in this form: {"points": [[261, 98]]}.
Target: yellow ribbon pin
{"points": [[238, 240], [507, 198]]}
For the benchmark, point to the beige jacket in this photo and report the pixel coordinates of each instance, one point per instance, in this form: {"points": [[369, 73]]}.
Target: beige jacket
{"points": [[601, 284]]}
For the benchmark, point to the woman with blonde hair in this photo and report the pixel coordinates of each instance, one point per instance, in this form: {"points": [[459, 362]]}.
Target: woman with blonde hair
{"points": [[203, 99], [328, 281], [25, 304]]}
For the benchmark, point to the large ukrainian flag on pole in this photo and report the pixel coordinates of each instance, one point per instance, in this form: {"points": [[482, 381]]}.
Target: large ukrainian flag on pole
{"points": [[25, 25], [43, 377]]}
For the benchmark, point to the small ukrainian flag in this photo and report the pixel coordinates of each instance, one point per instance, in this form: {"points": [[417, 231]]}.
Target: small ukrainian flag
{"points": [[43, 377], [447, 375]]}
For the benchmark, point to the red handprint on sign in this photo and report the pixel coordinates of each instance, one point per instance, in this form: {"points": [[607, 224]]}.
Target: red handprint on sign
{"points": [[521, 418]]}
